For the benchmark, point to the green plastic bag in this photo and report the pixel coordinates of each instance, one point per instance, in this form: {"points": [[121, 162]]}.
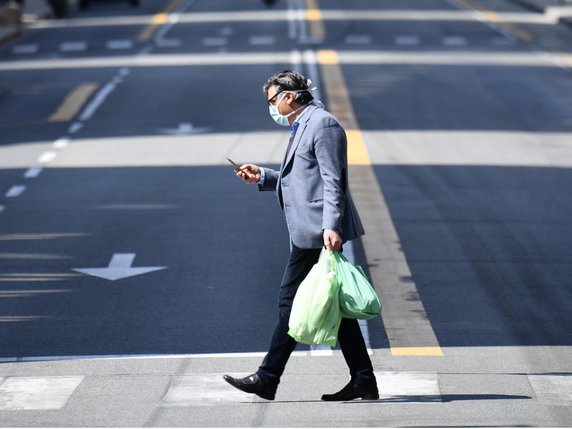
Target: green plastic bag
{"points": [[358, 299], [315, 316]]}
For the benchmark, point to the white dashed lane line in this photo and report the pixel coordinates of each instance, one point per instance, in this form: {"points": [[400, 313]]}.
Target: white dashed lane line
{"points": [[73, 46], [358, 39], [25, 49], [61, 143], [33, 172], [15, 191], [119, 44], [262, 40], [406, 40], [47, 157], [214, 41], [454, 41]]}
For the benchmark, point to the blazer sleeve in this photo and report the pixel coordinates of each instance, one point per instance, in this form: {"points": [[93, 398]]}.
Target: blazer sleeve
{"points": [[270, 180], [331, 152]]}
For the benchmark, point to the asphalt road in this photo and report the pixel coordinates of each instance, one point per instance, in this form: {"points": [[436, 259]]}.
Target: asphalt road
{"points": [[114, 129]]}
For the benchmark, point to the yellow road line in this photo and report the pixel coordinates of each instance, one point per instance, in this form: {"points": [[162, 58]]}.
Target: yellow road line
{"points": [[416, 351], [404, 315], [159, 19], [314, 17], [339, 103], [73, 102]]}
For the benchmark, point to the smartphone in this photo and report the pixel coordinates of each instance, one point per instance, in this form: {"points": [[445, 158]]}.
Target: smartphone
{"points": [[238, 167]]}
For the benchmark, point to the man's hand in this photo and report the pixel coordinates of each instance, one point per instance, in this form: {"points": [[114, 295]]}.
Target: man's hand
{"points": [[253, 175], [332, 240]]}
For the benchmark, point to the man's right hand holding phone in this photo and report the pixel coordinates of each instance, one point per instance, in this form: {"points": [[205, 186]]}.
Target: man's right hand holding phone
{"points": [[253, 175]]}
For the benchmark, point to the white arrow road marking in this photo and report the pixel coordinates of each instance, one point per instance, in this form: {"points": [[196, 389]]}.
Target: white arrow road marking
{"points": [[184, 129], [119, 268]]}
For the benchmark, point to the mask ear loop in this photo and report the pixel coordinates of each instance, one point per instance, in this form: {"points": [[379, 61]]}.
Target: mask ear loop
{"points": [[311, 88]]}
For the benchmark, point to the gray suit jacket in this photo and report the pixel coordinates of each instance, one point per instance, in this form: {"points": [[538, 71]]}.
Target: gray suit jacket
{"points": [[312, 184]]}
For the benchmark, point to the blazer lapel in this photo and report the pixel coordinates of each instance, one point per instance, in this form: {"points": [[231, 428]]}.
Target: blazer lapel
{"points": [[299, 133]]}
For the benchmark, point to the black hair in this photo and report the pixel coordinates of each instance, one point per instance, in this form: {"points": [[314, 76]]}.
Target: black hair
{"points": [[289, 80]]}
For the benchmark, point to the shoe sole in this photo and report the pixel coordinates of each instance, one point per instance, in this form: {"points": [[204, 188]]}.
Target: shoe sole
{"points": [[246, 390]]}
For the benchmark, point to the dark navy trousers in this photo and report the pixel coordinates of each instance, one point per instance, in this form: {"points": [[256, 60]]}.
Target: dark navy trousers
{"points": [[282, 345]]}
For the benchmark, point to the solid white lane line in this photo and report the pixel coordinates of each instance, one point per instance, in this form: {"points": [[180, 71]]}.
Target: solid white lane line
{"points": [[33, 172], [24, 49], [97, 101], [73, 46], [119, 44], [145, 356], [407, 40], [15, 191], [46, 157]]}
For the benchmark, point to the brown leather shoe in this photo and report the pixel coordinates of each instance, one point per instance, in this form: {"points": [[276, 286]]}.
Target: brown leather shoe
{"points": [[353, 391], [252, 384]]}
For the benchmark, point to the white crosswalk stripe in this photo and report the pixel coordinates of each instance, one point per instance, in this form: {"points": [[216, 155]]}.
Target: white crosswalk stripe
{"points": [[203, 389], [552, 389], [36, 393], [210, 389]]}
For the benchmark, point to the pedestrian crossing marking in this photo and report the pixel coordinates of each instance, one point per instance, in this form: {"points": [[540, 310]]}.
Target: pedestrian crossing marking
{"points": [[203, 390], [210, 389], [36, 393], [408, 386], [552, 389]]}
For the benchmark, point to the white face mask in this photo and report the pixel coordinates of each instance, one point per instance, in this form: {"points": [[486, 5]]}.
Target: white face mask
{"points": [[278, 117]]}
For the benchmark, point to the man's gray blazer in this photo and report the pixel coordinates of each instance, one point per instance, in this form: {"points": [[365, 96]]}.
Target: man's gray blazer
{"points": [[312, 184]]}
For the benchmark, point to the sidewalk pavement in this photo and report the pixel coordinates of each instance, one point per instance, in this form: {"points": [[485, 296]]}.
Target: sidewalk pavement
{"points": [[467, 386]]}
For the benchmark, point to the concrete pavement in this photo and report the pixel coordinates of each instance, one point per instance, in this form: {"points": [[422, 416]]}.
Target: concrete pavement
{"points": [[162, 391]]}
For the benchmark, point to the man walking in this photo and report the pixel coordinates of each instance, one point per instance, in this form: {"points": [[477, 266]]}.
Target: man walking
{"points": [[313, 192]]}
